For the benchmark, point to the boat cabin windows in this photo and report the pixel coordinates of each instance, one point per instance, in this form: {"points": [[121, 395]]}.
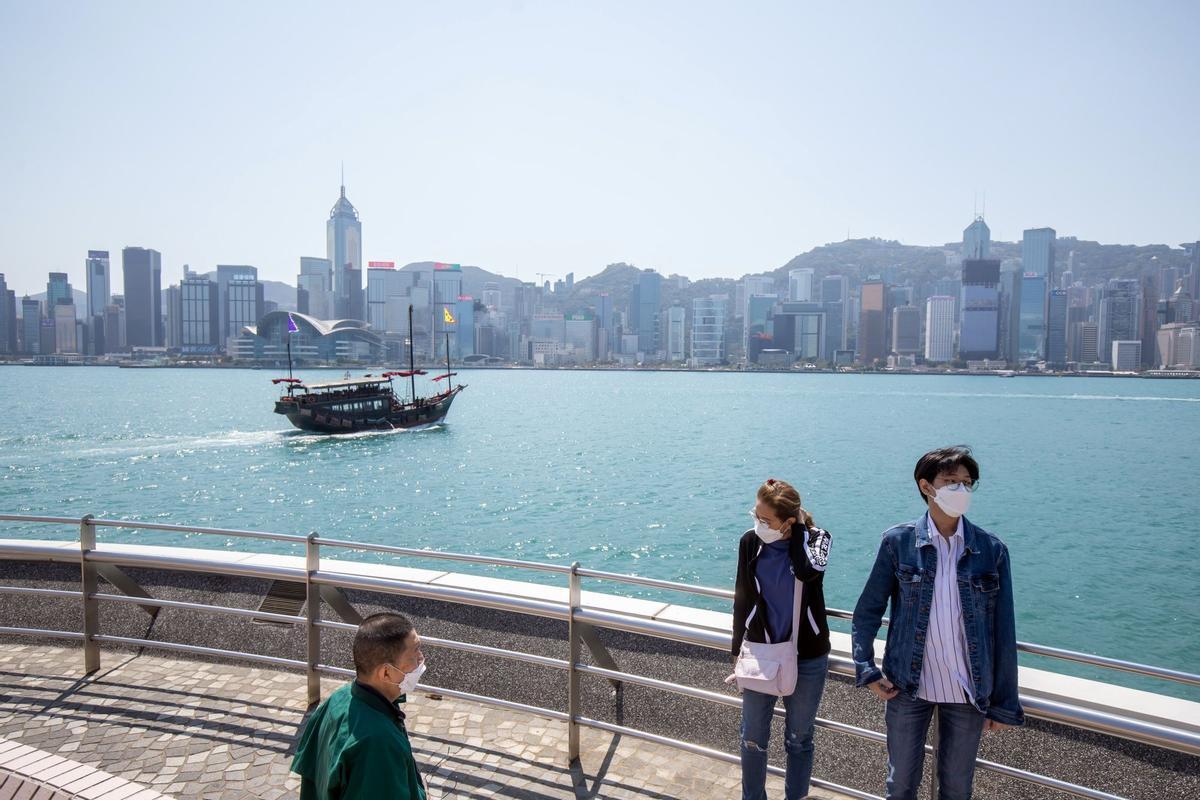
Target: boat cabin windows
{"points": [[359, 407]]}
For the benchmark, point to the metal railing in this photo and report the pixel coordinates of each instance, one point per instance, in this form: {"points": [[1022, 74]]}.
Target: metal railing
{"points": [[93, 560]]}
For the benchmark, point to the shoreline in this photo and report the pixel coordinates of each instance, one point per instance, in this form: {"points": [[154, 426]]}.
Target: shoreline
{"points": [[1148, 375]]}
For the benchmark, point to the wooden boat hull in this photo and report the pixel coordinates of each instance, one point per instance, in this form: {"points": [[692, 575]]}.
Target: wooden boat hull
{"points": [[315, 419]]}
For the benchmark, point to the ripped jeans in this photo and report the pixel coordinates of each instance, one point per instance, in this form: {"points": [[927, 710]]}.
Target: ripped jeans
{"points": [[801, 709]]}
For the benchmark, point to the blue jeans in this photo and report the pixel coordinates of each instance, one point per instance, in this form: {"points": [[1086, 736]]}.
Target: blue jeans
{"points": [[801, 707], [959, 727]]}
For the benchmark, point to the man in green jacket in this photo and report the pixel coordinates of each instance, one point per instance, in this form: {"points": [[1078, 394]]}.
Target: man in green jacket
{"points": [[355, 746]]}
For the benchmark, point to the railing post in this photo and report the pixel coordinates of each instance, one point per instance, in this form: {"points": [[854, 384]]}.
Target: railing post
{"points": [[933, 760], [90, 585], [574, 641], [312, 557]]}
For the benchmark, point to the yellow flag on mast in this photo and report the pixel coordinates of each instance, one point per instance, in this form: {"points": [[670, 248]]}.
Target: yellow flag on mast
{"points": [[447, 317]]}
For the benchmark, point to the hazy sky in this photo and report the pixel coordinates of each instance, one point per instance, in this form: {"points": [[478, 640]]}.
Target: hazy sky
{"points": [[703, 139]]}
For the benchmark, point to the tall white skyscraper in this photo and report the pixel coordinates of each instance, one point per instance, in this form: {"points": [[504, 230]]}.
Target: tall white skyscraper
{"points": [[343, 243], [939, 328], [708, 330], [800, 285]]}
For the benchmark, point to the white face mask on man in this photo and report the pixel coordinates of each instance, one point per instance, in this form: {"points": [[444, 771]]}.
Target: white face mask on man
{"points": [[409, 683], [954, 499]]}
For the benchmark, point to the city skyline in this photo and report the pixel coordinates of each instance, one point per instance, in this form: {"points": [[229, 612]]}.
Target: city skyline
{"points": [[722, 145]]}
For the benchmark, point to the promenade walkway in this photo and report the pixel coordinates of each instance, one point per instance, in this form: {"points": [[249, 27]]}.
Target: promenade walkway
{"points": [[193, 729]]}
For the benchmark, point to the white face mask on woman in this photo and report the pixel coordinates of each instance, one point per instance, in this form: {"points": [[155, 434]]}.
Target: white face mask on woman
{"points": [[765, 531]]}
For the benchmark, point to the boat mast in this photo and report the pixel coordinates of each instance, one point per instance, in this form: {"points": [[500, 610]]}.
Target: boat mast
{"points": [[448, 384], [289, 349], [411, 367]]}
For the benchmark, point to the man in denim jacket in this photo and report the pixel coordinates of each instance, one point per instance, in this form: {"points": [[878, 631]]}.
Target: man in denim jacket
{"points": [[951, 643]]}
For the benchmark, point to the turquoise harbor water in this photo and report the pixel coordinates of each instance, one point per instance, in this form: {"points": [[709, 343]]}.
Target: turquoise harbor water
{"points": [[1092, 482]]}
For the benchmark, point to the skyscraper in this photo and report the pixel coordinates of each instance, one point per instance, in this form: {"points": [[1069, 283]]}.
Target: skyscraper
{"points": [[447, 288], [979, 337], [1056, 329], [142, 270], [752, 285], [1083, 344], [114, 325], [174, 307], [649, 310], [243, 304], [384, 282], [977, 240], [906, 330], [8, 318], [708, 330], [800, 285], [1119, 314], [872, 322], [1149, 323], [1193, 276], [343, 242], [491, 296], [464, 321], [606, 327], [675, 321], [31, 326], [1037, 253], [1031, 335], [65, 339], [1167, 278], [800, 329], [1011, 279], [579, 334], [758, 324], [199, 318], [316, 280], [99, 288], [58, 288], [939, 328], [835, 292]]}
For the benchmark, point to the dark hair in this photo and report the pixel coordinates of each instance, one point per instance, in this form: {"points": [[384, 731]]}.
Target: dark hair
{"points": [[381, 639], [942, 460]]}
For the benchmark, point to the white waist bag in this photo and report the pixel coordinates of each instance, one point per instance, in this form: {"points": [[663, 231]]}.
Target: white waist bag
{"points": [[769, 668]]}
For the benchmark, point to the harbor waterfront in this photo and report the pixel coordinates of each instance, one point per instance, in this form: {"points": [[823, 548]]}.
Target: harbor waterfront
{"points": [[1091, 482]]}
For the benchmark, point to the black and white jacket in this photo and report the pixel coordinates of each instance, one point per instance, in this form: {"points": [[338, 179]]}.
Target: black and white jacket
{"points": [[809, 554]]}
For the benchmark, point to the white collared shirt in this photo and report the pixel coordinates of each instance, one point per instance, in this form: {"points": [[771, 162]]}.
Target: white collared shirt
{"points": [[946, 674]]}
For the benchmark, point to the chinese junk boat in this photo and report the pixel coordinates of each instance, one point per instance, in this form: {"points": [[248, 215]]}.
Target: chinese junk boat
{"points": [[362, 404]]}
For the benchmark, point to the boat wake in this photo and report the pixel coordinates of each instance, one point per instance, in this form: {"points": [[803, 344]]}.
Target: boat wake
{"points": [[166, 444], [307, 437]]}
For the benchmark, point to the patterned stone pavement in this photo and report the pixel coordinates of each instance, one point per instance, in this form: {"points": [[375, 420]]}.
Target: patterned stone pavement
{"points": [[195, 729]]}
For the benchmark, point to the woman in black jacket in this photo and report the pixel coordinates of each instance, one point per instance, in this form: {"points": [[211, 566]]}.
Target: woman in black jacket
{"points": [[783, 547]]}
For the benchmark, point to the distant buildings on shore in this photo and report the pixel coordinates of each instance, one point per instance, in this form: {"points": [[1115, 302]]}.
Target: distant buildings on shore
{"points": [[1028, 313]]}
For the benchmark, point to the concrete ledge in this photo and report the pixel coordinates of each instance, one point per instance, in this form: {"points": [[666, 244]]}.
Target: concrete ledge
{"points": [[1136, 704], [1100, 761]]}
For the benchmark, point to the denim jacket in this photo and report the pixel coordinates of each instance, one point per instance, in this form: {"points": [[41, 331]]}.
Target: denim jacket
{"points": [[903, 574]]}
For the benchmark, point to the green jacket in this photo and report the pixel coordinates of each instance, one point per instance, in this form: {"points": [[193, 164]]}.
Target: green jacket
{"points": [[355, 747]]}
